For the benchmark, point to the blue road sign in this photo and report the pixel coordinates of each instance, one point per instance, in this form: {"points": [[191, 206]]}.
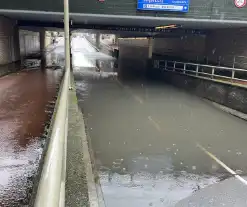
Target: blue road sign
{"points": [[164, 5]]}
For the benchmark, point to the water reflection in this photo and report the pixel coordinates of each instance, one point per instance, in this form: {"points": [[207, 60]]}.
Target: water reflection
{"points": [[144, 189], [23, 116], [90, 62]]}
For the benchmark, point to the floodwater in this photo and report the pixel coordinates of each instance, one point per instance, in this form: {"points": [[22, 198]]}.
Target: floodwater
{"points": [[26, 100], [146, 136]]}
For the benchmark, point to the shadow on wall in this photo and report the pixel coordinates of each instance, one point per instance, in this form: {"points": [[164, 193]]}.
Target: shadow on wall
{"points": [[132, 59]]}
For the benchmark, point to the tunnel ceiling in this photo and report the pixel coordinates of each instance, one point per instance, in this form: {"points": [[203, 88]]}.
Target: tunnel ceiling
{"points": [[123, 25], [198, 9], [119, 23]]}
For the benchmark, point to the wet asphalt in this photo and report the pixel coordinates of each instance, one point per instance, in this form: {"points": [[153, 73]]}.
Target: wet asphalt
{"points": [[146, 136], [27, 99]]}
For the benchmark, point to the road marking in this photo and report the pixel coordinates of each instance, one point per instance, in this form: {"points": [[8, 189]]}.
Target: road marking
{"points": [[137, 98], [156, 125], [222, 164]]}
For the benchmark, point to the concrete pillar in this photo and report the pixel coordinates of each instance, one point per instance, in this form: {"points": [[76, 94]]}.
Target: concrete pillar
{"points": [[17, 53], [116, 42], [97, 38], [42, 48], [150, 47], [71, 61]]}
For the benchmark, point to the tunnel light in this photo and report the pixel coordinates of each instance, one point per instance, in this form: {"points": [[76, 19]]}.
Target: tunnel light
{"points": [[171, 26]]}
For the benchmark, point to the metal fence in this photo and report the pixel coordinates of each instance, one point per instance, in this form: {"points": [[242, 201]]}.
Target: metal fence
{"points": [[231, 75], [231, 61]]}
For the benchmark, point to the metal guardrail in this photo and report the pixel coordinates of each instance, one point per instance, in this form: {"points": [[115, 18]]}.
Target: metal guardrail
{"points": [[203, 71]]}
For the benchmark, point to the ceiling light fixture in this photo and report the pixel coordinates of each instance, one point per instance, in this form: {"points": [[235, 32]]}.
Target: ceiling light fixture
{"points": [[171, 26]]}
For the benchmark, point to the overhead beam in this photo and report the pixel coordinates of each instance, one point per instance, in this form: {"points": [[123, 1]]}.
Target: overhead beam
{"points": [[117, 28]]}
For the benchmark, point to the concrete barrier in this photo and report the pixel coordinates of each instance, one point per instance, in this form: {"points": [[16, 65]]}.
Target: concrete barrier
{"points": [[232, 96]]}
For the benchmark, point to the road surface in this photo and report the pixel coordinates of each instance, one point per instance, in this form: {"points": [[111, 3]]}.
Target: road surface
{"points": [[156, 145]]}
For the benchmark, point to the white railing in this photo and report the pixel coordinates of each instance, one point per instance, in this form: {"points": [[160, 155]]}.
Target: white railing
{"points": [[203, 71], [51, 190]]}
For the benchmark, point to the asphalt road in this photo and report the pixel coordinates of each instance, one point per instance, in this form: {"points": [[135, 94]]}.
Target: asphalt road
{"points": [[156, 145]]}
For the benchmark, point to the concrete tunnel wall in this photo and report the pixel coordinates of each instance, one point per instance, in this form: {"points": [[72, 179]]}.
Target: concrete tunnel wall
{"points": [[9, 41], [133, 55], [29, 43], [220, 9], [184, 47], [234, 97], [228, 43], [219, 46], [224, 44], [15, 44]]}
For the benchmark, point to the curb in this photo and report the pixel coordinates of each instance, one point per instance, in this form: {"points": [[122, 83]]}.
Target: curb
{"points": [[95, 197], [228, 110]]}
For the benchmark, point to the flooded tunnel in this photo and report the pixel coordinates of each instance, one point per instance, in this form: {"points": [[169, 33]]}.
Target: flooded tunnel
{"points": [[161, 116], [164, 110]]}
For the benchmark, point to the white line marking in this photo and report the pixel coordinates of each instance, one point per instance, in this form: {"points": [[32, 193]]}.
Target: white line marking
{"points": [[137, 98], [222, 164], [156, 125]]}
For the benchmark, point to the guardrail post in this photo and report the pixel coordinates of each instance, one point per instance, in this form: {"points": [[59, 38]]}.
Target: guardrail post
{"points": [[233, 75], [197, 69], [234, 59], [174, 65], [184, 68], [212, 75], [156, 64]]}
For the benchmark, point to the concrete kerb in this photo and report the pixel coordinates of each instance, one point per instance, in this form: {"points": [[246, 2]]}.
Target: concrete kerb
{"points": [[228, 110], [81, 187]]}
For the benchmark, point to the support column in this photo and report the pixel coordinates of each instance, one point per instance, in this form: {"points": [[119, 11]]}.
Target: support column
{"points": [[42, 48], [150, 47], [71, 62], [17, 51], [116, 41], [97, 38]]}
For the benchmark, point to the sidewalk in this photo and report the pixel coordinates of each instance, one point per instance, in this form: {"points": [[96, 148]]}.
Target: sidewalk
{"points": [[80, 181], [26, 102]]}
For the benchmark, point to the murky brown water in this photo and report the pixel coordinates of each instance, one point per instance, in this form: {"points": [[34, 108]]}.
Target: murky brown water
{"points": [[24, 98], [145, 135]]}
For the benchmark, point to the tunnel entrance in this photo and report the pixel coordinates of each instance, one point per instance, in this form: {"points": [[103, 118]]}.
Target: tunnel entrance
{"points": [[157, 98]]}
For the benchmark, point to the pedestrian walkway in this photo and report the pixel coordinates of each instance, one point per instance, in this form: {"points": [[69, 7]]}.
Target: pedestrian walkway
{"points": [[27, 99]]}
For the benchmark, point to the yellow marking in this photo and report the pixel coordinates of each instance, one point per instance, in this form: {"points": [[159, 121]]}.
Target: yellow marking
{"points": [[222, 164]]}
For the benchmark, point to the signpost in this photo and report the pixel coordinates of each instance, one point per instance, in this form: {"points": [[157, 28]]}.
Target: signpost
{"points": [[163, 5]]}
